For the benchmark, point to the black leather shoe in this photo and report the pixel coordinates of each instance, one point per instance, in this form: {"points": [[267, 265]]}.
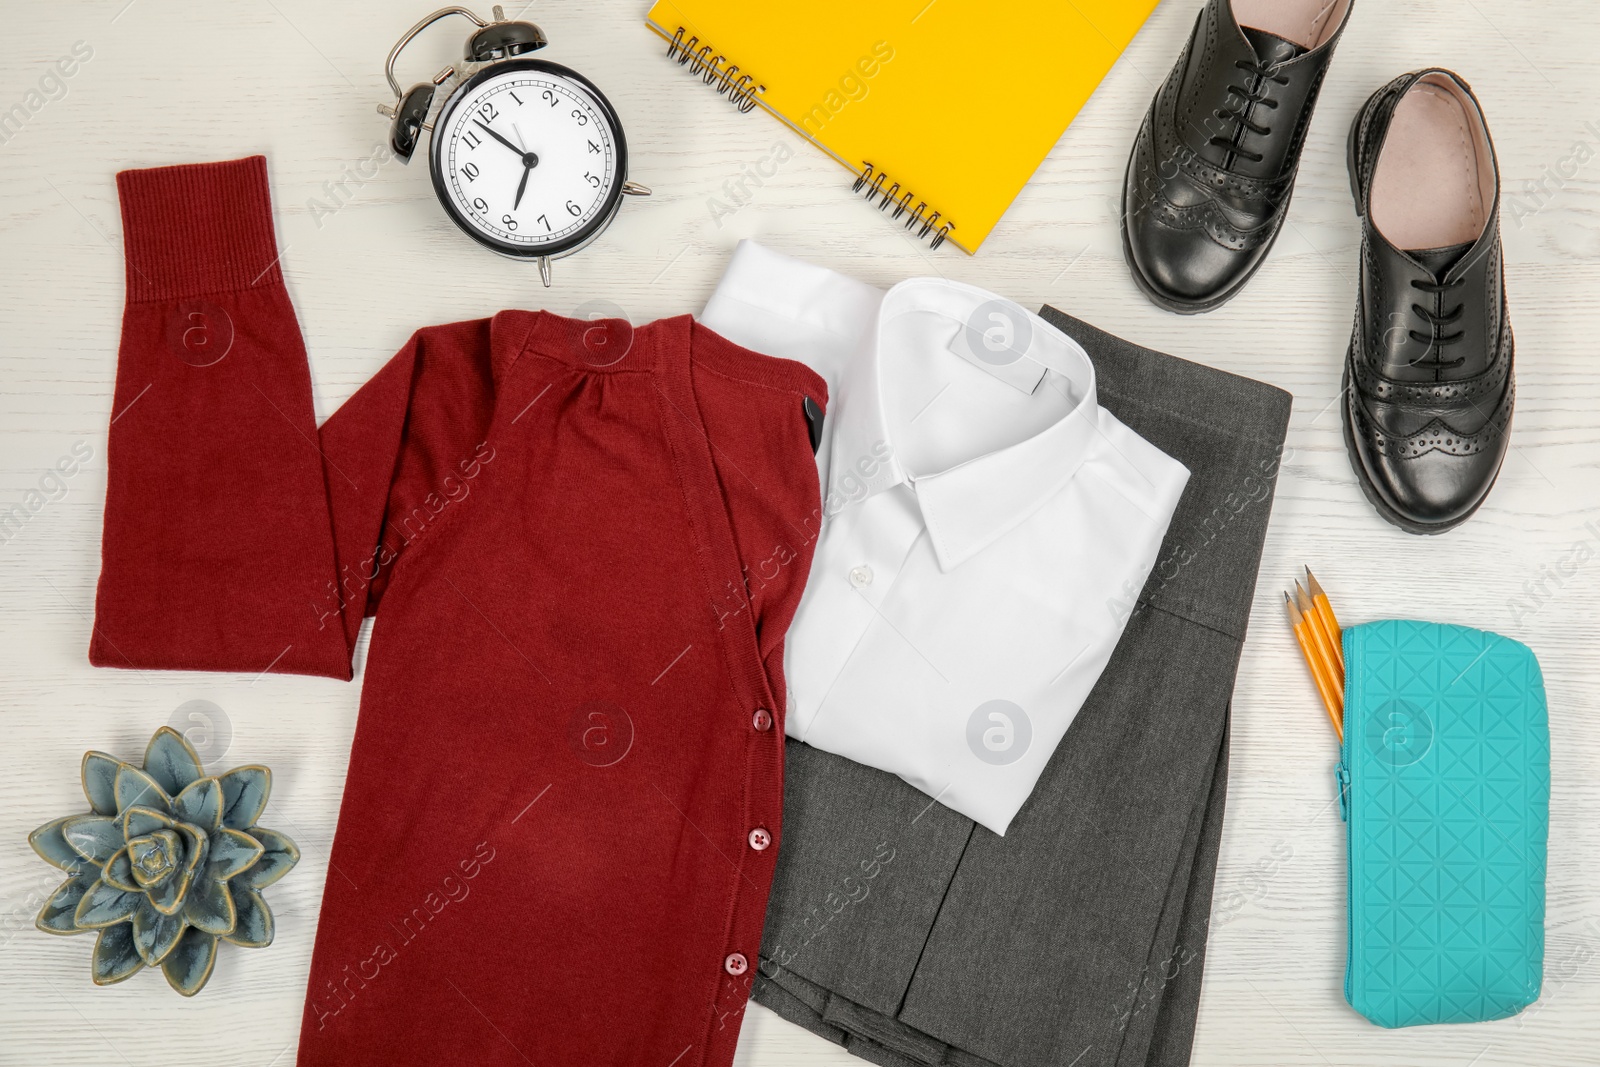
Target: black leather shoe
{"points": [[1428, 382], [1214, 163]]}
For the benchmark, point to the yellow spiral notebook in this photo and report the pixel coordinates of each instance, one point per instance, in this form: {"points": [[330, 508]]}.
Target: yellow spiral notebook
{"points": [[943, 109]]}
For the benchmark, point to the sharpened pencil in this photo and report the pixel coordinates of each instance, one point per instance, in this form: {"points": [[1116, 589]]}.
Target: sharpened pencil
{"points": [[1330, 622], [1302, 632], [1320, 643]]}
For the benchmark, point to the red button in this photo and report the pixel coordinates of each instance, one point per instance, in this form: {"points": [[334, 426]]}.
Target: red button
{"points": [[736, 964], [762, 720], [759, 838]]}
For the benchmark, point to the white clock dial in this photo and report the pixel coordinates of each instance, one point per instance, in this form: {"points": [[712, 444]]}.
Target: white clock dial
{"points": [[529, 159]]}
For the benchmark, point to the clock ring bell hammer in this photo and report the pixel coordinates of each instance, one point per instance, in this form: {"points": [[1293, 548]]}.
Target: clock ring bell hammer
{"points": [[527, 156]]}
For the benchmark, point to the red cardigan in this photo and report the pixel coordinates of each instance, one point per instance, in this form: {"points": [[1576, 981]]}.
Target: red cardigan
{"points": [[583, 544]]}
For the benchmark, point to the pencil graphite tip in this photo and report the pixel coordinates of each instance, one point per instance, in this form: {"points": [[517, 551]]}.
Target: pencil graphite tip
{"points": [[1314, 585], [1300, 598]]}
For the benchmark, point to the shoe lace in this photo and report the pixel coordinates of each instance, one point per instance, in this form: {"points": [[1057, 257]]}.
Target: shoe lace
{"points": [[1435, 338], [1254, 95]]}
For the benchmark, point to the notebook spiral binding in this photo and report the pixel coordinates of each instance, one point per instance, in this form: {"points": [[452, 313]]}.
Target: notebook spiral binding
{"points": [[879, 185], [714, 69]]}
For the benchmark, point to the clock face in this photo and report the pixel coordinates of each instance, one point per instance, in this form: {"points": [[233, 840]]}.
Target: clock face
{"points": [[528, 158]]}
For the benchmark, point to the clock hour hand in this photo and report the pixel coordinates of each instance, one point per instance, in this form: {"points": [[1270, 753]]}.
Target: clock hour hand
{"points": [[527, 169], [497, 137]]}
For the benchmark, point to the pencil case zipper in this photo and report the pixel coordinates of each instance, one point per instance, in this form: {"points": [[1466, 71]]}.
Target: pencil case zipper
{"points": [[1342, 779]]}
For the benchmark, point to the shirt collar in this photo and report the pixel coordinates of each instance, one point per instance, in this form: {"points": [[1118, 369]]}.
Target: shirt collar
{"points": [[969, 505]]}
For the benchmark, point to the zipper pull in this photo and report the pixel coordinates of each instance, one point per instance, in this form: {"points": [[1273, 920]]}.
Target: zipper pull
{"points": [[1343, 777]]}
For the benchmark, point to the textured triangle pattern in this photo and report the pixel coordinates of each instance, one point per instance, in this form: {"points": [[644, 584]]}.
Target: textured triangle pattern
{"points": [[1447, 748]]}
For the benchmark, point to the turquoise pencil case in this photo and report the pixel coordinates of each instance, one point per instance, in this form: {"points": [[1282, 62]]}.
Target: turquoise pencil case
{"points": [[1444, 786]]}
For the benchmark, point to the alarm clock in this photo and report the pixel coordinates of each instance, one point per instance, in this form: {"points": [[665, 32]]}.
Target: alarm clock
{"points": [[527, 156]]}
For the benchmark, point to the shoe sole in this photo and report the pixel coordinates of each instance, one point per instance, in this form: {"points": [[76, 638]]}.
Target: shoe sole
{"points": [[1184, 307], [1368, 488]]}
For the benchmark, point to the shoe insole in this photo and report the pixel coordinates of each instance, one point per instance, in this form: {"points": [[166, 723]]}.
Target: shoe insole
{"points": [[1428, 185], [1307, 23]]}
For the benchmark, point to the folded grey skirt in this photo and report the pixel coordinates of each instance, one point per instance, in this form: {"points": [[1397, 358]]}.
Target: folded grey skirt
{"points": [[911, 936]]}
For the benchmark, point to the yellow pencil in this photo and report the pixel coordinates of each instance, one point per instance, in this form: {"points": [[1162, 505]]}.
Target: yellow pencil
{"points": [[1320, 642], [1302, 633], [1330, 622]]}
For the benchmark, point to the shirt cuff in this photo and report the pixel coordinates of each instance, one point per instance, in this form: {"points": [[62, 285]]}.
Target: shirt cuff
{"points": [[198, 228]]}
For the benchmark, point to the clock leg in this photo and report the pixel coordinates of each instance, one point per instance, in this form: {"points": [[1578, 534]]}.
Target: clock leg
{"points": [[544, 270]]}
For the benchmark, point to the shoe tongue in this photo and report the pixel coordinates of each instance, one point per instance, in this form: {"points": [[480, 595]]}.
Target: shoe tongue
{"points": [[1270, 48], [1438, 261]]}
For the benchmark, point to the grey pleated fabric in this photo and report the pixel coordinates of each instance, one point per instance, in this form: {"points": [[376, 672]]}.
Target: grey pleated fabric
{"points": [[909, 935]]}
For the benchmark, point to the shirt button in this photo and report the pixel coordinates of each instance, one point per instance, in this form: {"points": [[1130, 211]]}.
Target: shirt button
{"points": [[761, 720], [760, 839], [736, 964], [861, 576]]}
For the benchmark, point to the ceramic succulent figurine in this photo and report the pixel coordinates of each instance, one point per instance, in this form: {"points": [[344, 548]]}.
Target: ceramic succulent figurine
{"points": [[168, 862]]}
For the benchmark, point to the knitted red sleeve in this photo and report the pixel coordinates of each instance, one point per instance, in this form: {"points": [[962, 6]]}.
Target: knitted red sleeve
{"points": [[237, 535]]}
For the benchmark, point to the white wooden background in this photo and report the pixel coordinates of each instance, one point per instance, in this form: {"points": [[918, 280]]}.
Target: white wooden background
{"points": [[173, 82]]}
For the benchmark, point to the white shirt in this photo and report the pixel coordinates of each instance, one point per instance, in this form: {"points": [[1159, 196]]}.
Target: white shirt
{"points": [[982, 546]]}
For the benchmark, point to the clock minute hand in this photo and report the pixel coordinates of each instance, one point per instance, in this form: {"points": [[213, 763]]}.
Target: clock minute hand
{"points": [[497, 137]]}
